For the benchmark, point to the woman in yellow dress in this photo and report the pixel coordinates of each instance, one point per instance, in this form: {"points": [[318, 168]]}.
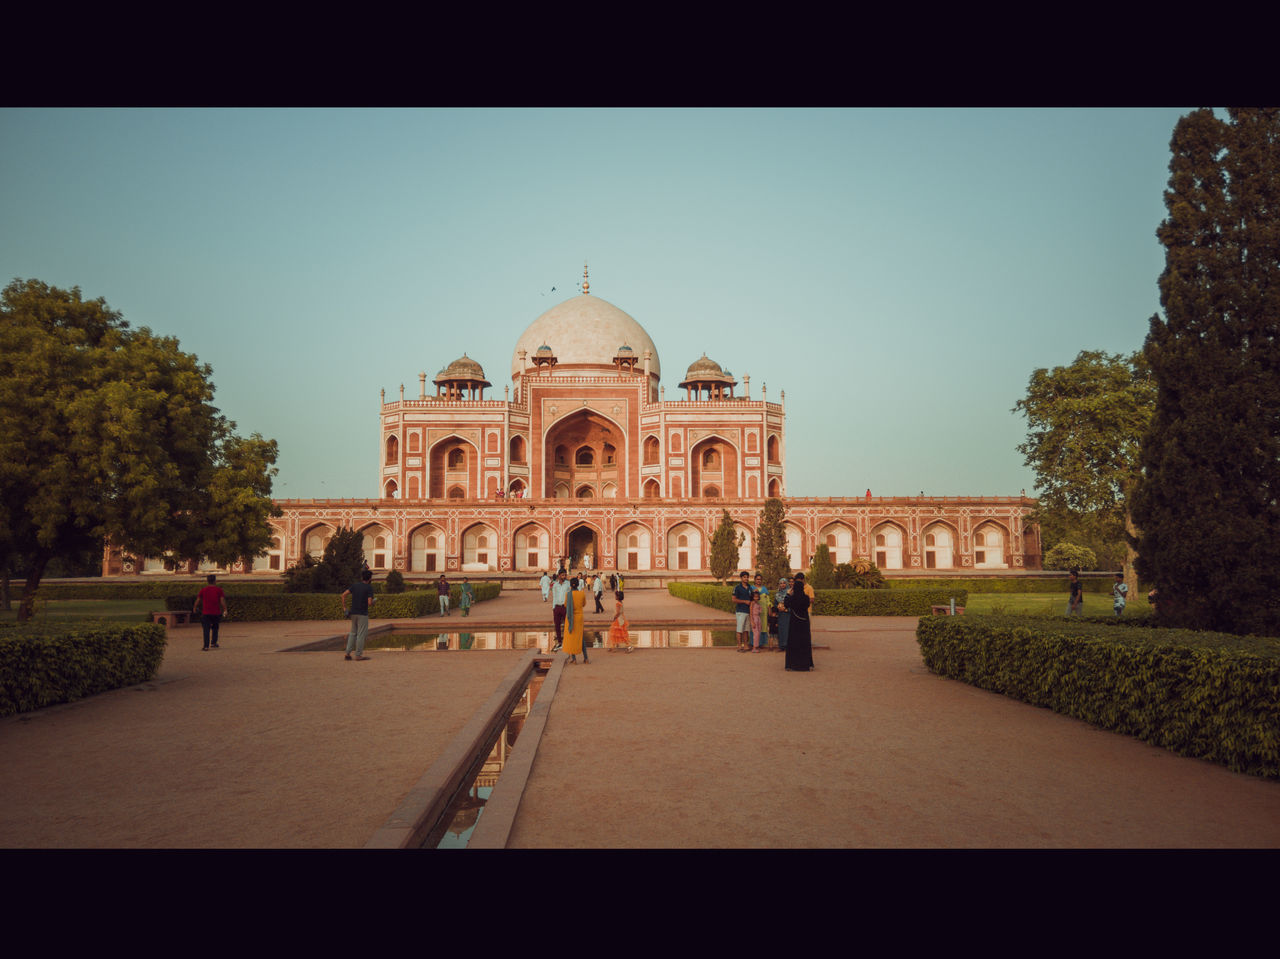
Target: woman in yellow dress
{"points": [[574, 621]]}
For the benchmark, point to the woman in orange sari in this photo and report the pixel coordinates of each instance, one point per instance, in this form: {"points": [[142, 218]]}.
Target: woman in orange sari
{"points": [[618, 635], [574, 621]]}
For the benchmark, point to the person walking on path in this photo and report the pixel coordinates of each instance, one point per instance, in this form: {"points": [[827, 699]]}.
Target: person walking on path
{"points": [[784, 616], [211, 604], [619, 637], [442, 590], [559, 608], [466, 594], [742, 594], [1075, 600], [545, 583], [575, 620], [598, 588], [799, 639], [1119, 594], [361, 599]]}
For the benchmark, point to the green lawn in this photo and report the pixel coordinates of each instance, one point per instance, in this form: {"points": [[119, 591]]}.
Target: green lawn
{"points": [[125, 610], [1047, 604]]}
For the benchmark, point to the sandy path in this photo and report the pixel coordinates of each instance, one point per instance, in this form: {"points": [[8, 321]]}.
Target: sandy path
{"points": [[869, 750], [239, 747], [251, 747]]}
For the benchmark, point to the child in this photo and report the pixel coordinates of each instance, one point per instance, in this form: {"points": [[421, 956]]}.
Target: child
{"points": [[618, 636]]}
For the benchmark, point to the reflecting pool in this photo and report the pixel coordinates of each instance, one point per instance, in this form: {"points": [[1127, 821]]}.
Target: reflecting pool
{"points": [[418, 640]]}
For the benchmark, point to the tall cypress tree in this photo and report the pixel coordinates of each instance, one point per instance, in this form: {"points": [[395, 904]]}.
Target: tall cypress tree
{"points": [[1206, 505]]}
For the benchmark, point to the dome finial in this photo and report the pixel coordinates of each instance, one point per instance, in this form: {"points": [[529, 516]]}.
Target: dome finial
{"points": [[586, 287]]}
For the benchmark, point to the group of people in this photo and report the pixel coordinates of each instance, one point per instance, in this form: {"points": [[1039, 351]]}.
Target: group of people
{"points": [[466, 595], [783, 614], [568, 597], [1119, 594]]}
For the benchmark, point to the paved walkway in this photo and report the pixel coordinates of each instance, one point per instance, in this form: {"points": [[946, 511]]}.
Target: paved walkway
{"points": [[249, 746]]}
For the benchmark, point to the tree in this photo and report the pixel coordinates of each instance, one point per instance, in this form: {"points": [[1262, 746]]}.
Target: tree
{"points": [[1085, 426], [822, 575], [772, 559], [1207, 503], [724, 548], [109, 432]]}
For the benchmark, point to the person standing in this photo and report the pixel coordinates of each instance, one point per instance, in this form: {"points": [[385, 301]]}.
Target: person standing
{"points": [[742, 609], [619, 637], [559, 609], [1119, 594], [756, 612], [575, 621], [465, 596], [1075, 600], [784, 615], [598, 588], [211, 604], [545, 583], [765, 602], [442, 590], [799, 638], [361, 599]]}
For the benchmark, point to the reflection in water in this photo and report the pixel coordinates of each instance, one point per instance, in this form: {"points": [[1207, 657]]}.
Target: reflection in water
{"points": [[543, 640], [455, 827]]}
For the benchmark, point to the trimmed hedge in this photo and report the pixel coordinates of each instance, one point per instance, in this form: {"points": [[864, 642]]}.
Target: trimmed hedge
{"points": [[1213, 696], [48, 663], [152, 590], [836, 602], [1009, 584], [296, 606]]}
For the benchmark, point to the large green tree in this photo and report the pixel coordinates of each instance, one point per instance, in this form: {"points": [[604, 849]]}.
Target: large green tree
{"points": [[1085, 424], [772, 559], [1207, 504], [108, 432]]}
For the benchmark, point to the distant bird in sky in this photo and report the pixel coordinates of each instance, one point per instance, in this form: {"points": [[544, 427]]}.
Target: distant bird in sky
{"points": [[553, 289]]}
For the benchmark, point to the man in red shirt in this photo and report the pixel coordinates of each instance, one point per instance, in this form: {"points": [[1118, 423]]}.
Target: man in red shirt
{"points": [[211, 604]]}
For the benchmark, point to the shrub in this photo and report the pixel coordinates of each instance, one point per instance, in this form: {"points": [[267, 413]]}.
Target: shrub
{"points": [[395, 582], [46, 663], [860, 574], [1070, 556], [1209, 695]]}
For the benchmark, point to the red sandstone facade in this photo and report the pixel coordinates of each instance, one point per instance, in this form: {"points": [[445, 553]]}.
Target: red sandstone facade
{"points": [[586, 460]]}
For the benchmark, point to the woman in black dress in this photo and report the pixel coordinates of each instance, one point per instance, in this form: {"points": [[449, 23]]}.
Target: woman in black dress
{"points": [[799, 642]]}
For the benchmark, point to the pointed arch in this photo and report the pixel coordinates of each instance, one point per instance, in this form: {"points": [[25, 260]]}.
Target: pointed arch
{"points": [[427, 548], [939, 543], [888, 541], [990, 542], [635, 546], [841, 541], [454, 462], [531, 547]]}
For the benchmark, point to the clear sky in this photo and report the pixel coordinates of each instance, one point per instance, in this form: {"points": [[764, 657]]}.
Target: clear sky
{"points": [[898, 272]]}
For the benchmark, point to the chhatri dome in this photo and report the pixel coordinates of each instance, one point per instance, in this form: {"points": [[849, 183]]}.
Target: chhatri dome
{"points": [[585, 330]]}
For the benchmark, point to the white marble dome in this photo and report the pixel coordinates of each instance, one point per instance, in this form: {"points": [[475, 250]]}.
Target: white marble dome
{"points": [[585, 330]]}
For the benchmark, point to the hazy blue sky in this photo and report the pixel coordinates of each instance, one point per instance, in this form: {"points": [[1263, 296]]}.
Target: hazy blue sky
{"points": [[899, 273]]}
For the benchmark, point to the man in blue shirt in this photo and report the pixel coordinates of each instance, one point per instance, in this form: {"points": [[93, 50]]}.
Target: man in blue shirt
{"points": [[361, 595], [742, 609]]}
